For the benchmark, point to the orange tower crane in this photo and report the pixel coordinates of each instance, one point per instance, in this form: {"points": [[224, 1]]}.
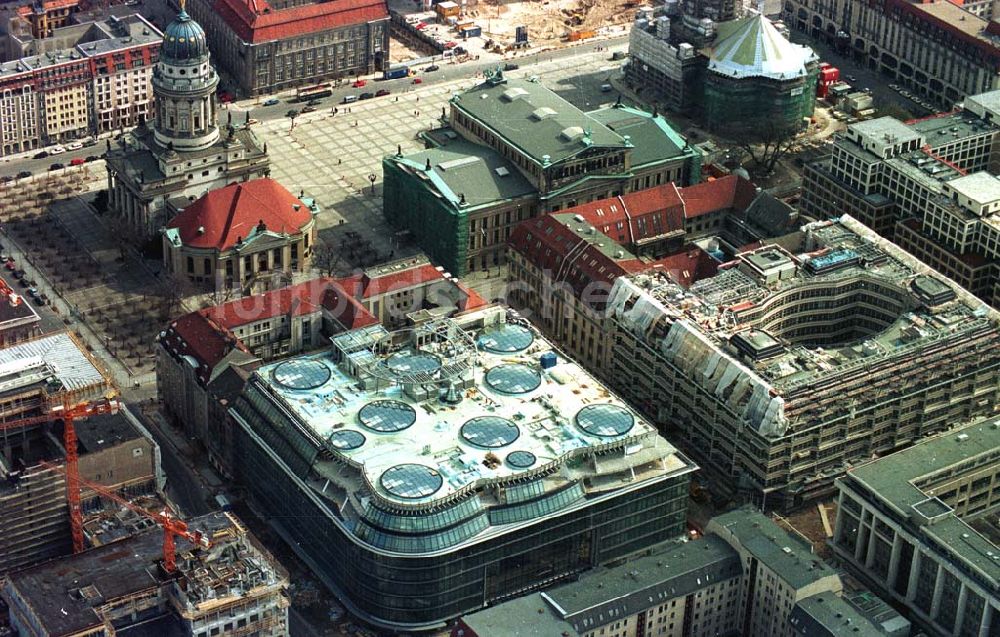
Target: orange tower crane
{"points": [[172, 526], [68, 414]]}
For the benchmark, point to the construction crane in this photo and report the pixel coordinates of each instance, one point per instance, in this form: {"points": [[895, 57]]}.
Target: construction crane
{"points": [[173, 527], [68, 414]]}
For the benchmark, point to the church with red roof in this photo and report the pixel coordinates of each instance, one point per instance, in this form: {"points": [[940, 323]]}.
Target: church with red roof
{"points": [[243, 236]]}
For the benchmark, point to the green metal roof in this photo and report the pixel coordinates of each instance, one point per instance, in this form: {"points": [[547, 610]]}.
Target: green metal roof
{"points": [[752, 47], [528, 616], [787, 555], [463, 168], [534, 119], [654, 139], [827, 615]]}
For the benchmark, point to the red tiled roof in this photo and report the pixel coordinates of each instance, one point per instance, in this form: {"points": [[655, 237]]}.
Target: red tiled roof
{"points": [[689, 266], [294, 300], [730, 191], [255, 21], [644, 214], [222, 216], [198, 336], [365, 287]]}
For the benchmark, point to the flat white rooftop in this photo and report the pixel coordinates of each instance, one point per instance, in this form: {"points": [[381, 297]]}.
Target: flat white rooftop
{"points": [[500, 402]]}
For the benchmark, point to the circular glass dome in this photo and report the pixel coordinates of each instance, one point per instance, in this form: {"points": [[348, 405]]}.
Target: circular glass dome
{"points": [[513, 378], [491, 432], [411, 481], [605, 420], [520, 459], [387, 416], [410, 362], [346, 439], [301, 374], [505, 339]]}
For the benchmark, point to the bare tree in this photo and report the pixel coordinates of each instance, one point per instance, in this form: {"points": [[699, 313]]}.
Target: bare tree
{"points": [[122, 233], [325, 258], [766, 143], [172, 289]]}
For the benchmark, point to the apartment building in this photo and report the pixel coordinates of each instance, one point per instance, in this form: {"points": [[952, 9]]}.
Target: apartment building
{"points": [[936, 49], [919, 527], [926, 184], [97, 80], [513, 150], [270, 46]]}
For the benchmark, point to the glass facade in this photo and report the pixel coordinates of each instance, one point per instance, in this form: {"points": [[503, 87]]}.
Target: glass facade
{"points": [[432, 574]]}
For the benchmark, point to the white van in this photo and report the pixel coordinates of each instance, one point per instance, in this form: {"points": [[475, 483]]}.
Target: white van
{"points": [[350, 99]]}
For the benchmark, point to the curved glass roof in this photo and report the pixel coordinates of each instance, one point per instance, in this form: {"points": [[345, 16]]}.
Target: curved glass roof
{"points": [[387, 415], [513, 378], [411, 481], [491, 432], [605, 420], [410, 362], [521, 459], [505, 338], [301, 374], [346, 439]]}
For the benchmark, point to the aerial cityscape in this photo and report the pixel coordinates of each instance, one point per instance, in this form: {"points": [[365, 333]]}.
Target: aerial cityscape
{"points": [[499, 318]]}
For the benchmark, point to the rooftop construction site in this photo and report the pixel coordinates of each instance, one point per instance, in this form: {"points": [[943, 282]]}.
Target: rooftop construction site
{"points": [[228, 584], [783, 336]]}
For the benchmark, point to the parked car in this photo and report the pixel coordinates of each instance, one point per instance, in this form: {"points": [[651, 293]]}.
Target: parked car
{"points": [[460, 50], [33, 293], [420, 26], [74, 146], [87, 143], [450, 45], [431, 68], [18, 274], [4, 257], [32, 283], [252, 121], [77, 161], [271, 101], [10, 265], [7, 178], [366, 96], [417, 80], [56, 150], [91, 158], [57, 166], [314, 102], [41, 154], [43, 298], [510, 66], [382, 92], [308, 109], [358, 83], [24, 174]]}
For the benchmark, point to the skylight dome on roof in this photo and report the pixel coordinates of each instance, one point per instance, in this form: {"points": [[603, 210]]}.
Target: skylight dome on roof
{"points": [[346, 440], [521, 459], [387, 415], [302, 374], [505, 338], [513, 378], [491, 432], [411, 481], [605, 420]]}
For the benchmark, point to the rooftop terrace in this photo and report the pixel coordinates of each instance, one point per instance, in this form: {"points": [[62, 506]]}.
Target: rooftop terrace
{"points": [[425, 414]]}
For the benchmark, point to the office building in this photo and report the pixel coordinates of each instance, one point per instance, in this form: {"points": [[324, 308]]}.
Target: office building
{"points": [[267, 46], [757, 81], [233, 587], [936, 49], [919, 527], [514, 150], [206, 357], [86, 79], [179, 154], [747, 576], [663, 68], [928, 185], [562, 264], [115, 451], [245, 236], [460, 462], [803, 357]]}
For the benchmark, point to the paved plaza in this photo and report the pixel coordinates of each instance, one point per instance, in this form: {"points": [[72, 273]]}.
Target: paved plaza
{"points": [[330, 157]]}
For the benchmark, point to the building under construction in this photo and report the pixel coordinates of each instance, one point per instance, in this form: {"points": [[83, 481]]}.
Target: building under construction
{"points": [[232, 587], [803, 357], [115, 450]]}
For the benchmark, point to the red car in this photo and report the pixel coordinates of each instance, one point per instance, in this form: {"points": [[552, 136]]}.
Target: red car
{"points": [[359, 83], [10, 265], [450, 45], [79, 161], [420, 26], [382, 92], [417, 80]]}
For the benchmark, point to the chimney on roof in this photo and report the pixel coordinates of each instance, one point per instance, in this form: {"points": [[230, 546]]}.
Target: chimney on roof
{"points": [[399, 150], [427, 166], [461, 198], [201, 230]]}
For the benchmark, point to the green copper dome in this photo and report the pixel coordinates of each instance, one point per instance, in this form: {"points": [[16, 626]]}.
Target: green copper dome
{"points": [[184, 40]]}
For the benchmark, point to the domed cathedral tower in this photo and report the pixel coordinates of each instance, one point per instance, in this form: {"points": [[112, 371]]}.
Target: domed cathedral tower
{"points": [[184, 83], [160, 167]]}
